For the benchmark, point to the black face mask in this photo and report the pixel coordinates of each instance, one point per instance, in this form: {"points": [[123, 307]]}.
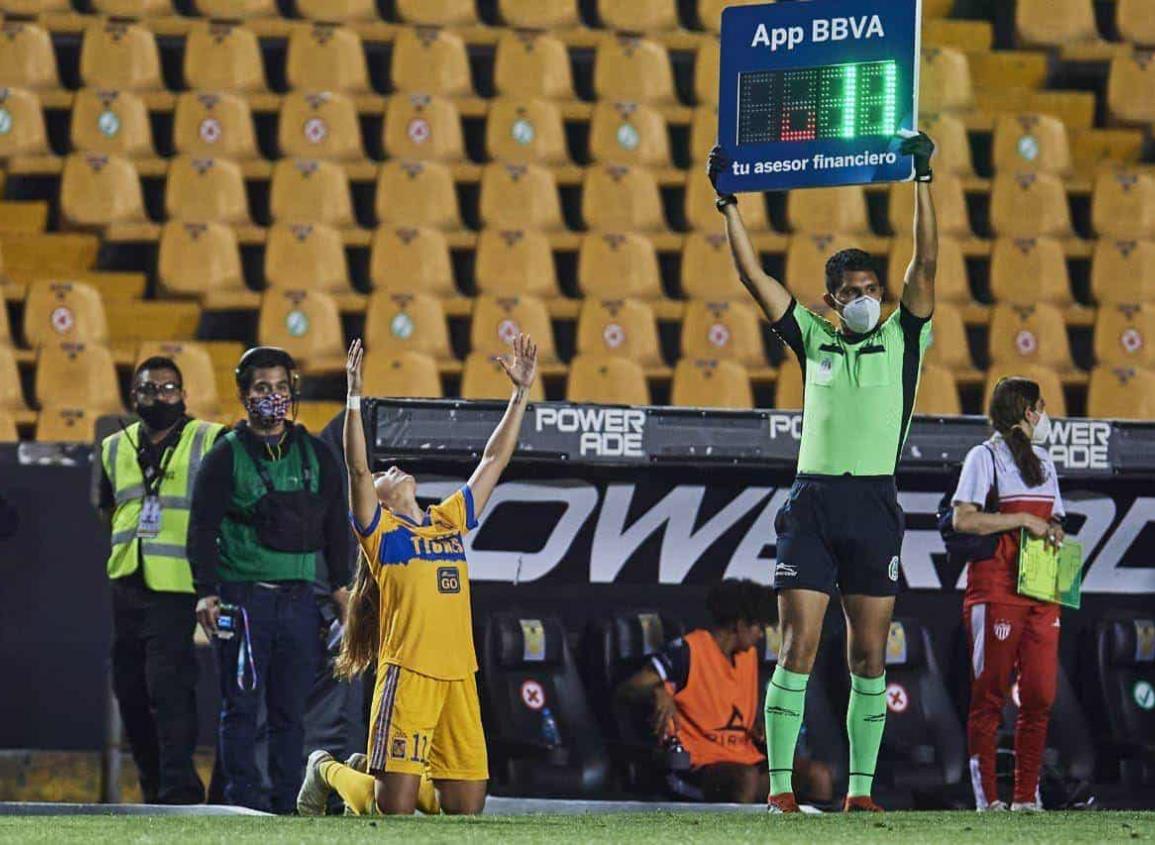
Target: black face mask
{"points": [[161, 415]]}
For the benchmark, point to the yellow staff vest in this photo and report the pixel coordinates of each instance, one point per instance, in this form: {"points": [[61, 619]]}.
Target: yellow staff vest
{"points": [[166, 566]]}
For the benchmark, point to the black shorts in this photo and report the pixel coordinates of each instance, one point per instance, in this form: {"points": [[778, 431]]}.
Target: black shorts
{"points": [[840, 531]]}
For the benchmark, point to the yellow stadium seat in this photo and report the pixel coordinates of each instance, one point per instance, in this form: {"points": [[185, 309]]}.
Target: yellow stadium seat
{"points": [[539, 14], [950, 205], [236, 9], [949, 346], [945, 81], [633, 69], [96, 190], [111, 123], [197, 372], [407, 322], [606, 381], [8, 433], [206, 189], [307, 325], [484, 378], [726, 330], [11, 395], [120, 56], [1055, 23], [223, 57], [705, 383], [788, 390], [532, 64], [710, 12], [417, 193], [132, 8], [308, 191], [57, 312], [337, 11], [21, 113], [432, 61], [629, 133], [323, 57], [1131, 89], [77, 375], [841, 210], [706, 70], [620, 198], [952, 145], [30, 8], [702, 215], [1135, 22], [1026, 205], [805, 271], [618, 264], [950, 284], [1050, 384], [306, 256], [66, 425], [1029, 334], [409, 375], [1123, 204], [703, 133], [640, 16], [623, 327], [320, 125], [1026, 270], [1123, 271], [27, 60], [1028, 142], [199, 260], [515, 262], [214, 126], [423, 127], [1121, 393], [498, 320], [708, 268], [937, 393], [1125, 335], [437, 12], [520, 196], [525, 131], [313, 416], [411, 260]]}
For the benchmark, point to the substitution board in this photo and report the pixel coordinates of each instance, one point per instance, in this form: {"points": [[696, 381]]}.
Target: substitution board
{"points": [[816, 93]]}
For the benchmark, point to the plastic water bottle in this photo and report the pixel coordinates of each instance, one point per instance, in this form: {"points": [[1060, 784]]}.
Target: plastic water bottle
{"points": [[549, 731]]}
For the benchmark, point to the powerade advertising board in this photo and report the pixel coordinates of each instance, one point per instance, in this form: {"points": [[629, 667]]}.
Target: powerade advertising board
{"points": [[816, 93]]}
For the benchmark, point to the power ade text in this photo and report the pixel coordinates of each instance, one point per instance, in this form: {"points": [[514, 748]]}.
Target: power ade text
{"points": [[821, 30], [605, 432]]}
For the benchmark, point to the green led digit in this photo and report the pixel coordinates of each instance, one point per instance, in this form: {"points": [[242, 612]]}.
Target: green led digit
{"points": [[849, 101]]}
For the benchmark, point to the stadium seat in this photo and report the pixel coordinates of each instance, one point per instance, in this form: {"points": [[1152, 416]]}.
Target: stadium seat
{"points": [[708, 268], [945, 81], [1029, 334], [952, 144], [437, 12], [525, 131], [539, 14], [532, 64], [1125, 659], [1125, 335], [484, 378], [407, 322], [111, 123], [639, 16], [706, 74], [1131, 89], [236, 9], [313, 416], [805, 270], [27, 60], [411, 260], [307, 325], [201, 190], [710, 12], [132, 8], [629, 133], [618, 264], [621, 327], [950, 206], [31, 8], [838, 210], [1027, 270], [515, 262], [1121, 393], [337, 11], [200, 260], [214, 126], [323, 57], [8, 433], [633, 69], [121, 56], [24, 118], [1123, 271], [619, 198], [497, 320], [788, 389], [700, 383], [1026, 142], [1123, 204], [703, 133], [321, 125], [11, 394], [307, 256], [197, 372], [702, 215], [1029, 205], [1135, 23], [1055, 23], [423, 127], [1048, 380], [723, 330], [431, 61], [520, 196], [417, 193], [406, 375], [222, 56], [77, 375], [937, 392], [66, 425], [58, 312], [951, 284], [949, 348], [308, 191], [606, 381], [96, 190]]}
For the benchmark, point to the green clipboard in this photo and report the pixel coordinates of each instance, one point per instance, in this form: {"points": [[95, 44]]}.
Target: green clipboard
{"points": [[1048, 575]]}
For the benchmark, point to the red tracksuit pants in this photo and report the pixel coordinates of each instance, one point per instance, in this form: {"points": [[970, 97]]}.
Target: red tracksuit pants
{"points": [[1005, 639]]}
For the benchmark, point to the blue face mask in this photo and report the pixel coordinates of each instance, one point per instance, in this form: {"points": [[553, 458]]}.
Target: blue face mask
{"points": [[269, 410], [861, 315]]}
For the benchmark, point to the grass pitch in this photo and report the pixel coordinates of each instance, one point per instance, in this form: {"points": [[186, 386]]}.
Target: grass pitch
{"points": [[663, 828]]}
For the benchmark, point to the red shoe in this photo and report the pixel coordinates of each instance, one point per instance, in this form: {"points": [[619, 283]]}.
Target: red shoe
{"points": [[783, 802], [861, 804]]}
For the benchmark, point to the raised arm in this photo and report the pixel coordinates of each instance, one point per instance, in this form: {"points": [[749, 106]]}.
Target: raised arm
{"points": [[521, 367], [918, 286], [767, 291], [362, 493]]}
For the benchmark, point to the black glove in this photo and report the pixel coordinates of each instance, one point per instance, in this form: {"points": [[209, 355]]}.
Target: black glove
{"points": [[922, 148], [717, 163]]}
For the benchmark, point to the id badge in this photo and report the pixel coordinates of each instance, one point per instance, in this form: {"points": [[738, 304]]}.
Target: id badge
{"points": [[148, 526]]}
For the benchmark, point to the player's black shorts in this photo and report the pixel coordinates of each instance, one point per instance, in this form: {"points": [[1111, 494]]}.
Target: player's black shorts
{"points": [[840, 531]]}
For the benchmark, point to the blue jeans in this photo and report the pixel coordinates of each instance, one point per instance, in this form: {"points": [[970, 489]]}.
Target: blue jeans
{"points": [[285, 629]]}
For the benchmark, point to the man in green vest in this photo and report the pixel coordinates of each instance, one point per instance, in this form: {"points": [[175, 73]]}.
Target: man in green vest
{"points": [[146, 474], [267, 503]]}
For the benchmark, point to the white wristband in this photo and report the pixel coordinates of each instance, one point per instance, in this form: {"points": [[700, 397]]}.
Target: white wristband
{"points": [[353, 403]]}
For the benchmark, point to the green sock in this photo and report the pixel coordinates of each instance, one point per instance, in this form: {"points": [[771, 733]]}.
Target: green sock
{"points": [[785, 702], [865, 721]]}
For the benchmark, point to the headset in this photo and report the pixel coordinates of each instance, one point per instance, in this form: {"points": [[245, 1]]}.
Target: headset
{"points": [[271, 356]]}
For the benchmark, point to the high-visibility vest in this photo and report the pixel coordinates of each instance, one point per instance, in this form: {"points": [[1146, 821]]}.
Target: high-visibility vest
{"points": [[165, 556]]}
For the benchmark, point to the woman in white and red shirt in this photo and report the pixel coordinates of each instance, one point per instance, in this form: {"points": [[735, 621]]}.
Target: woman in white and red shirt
{"points": [[1010, 632]]}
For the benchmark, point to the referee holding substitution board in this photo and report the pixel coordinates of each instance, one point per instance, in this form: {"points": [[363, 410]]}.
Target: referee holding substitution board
{"points": [[842, 526]]}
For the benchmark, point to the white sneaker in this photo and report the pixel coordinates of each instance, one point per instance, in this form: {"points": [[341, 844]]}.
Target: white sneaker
{"points": [[360, 762], [994, 807], [1027, 807], [314, 794]]}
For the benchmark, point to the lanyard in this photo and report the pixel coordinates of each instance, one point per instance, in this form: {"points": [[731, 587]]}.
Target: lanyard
{"points": [[245, 658], [153, 476]]}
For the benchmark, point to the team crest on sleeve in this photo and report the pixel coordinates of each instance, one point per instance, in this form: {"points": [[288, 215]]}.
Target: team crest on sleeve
{"points": [[398, 749]]}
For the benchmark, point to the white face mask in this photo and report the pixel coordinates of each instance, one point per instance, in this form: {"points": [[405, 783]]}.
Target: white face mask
{"points": [[861, 315], [1042, 431]]}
